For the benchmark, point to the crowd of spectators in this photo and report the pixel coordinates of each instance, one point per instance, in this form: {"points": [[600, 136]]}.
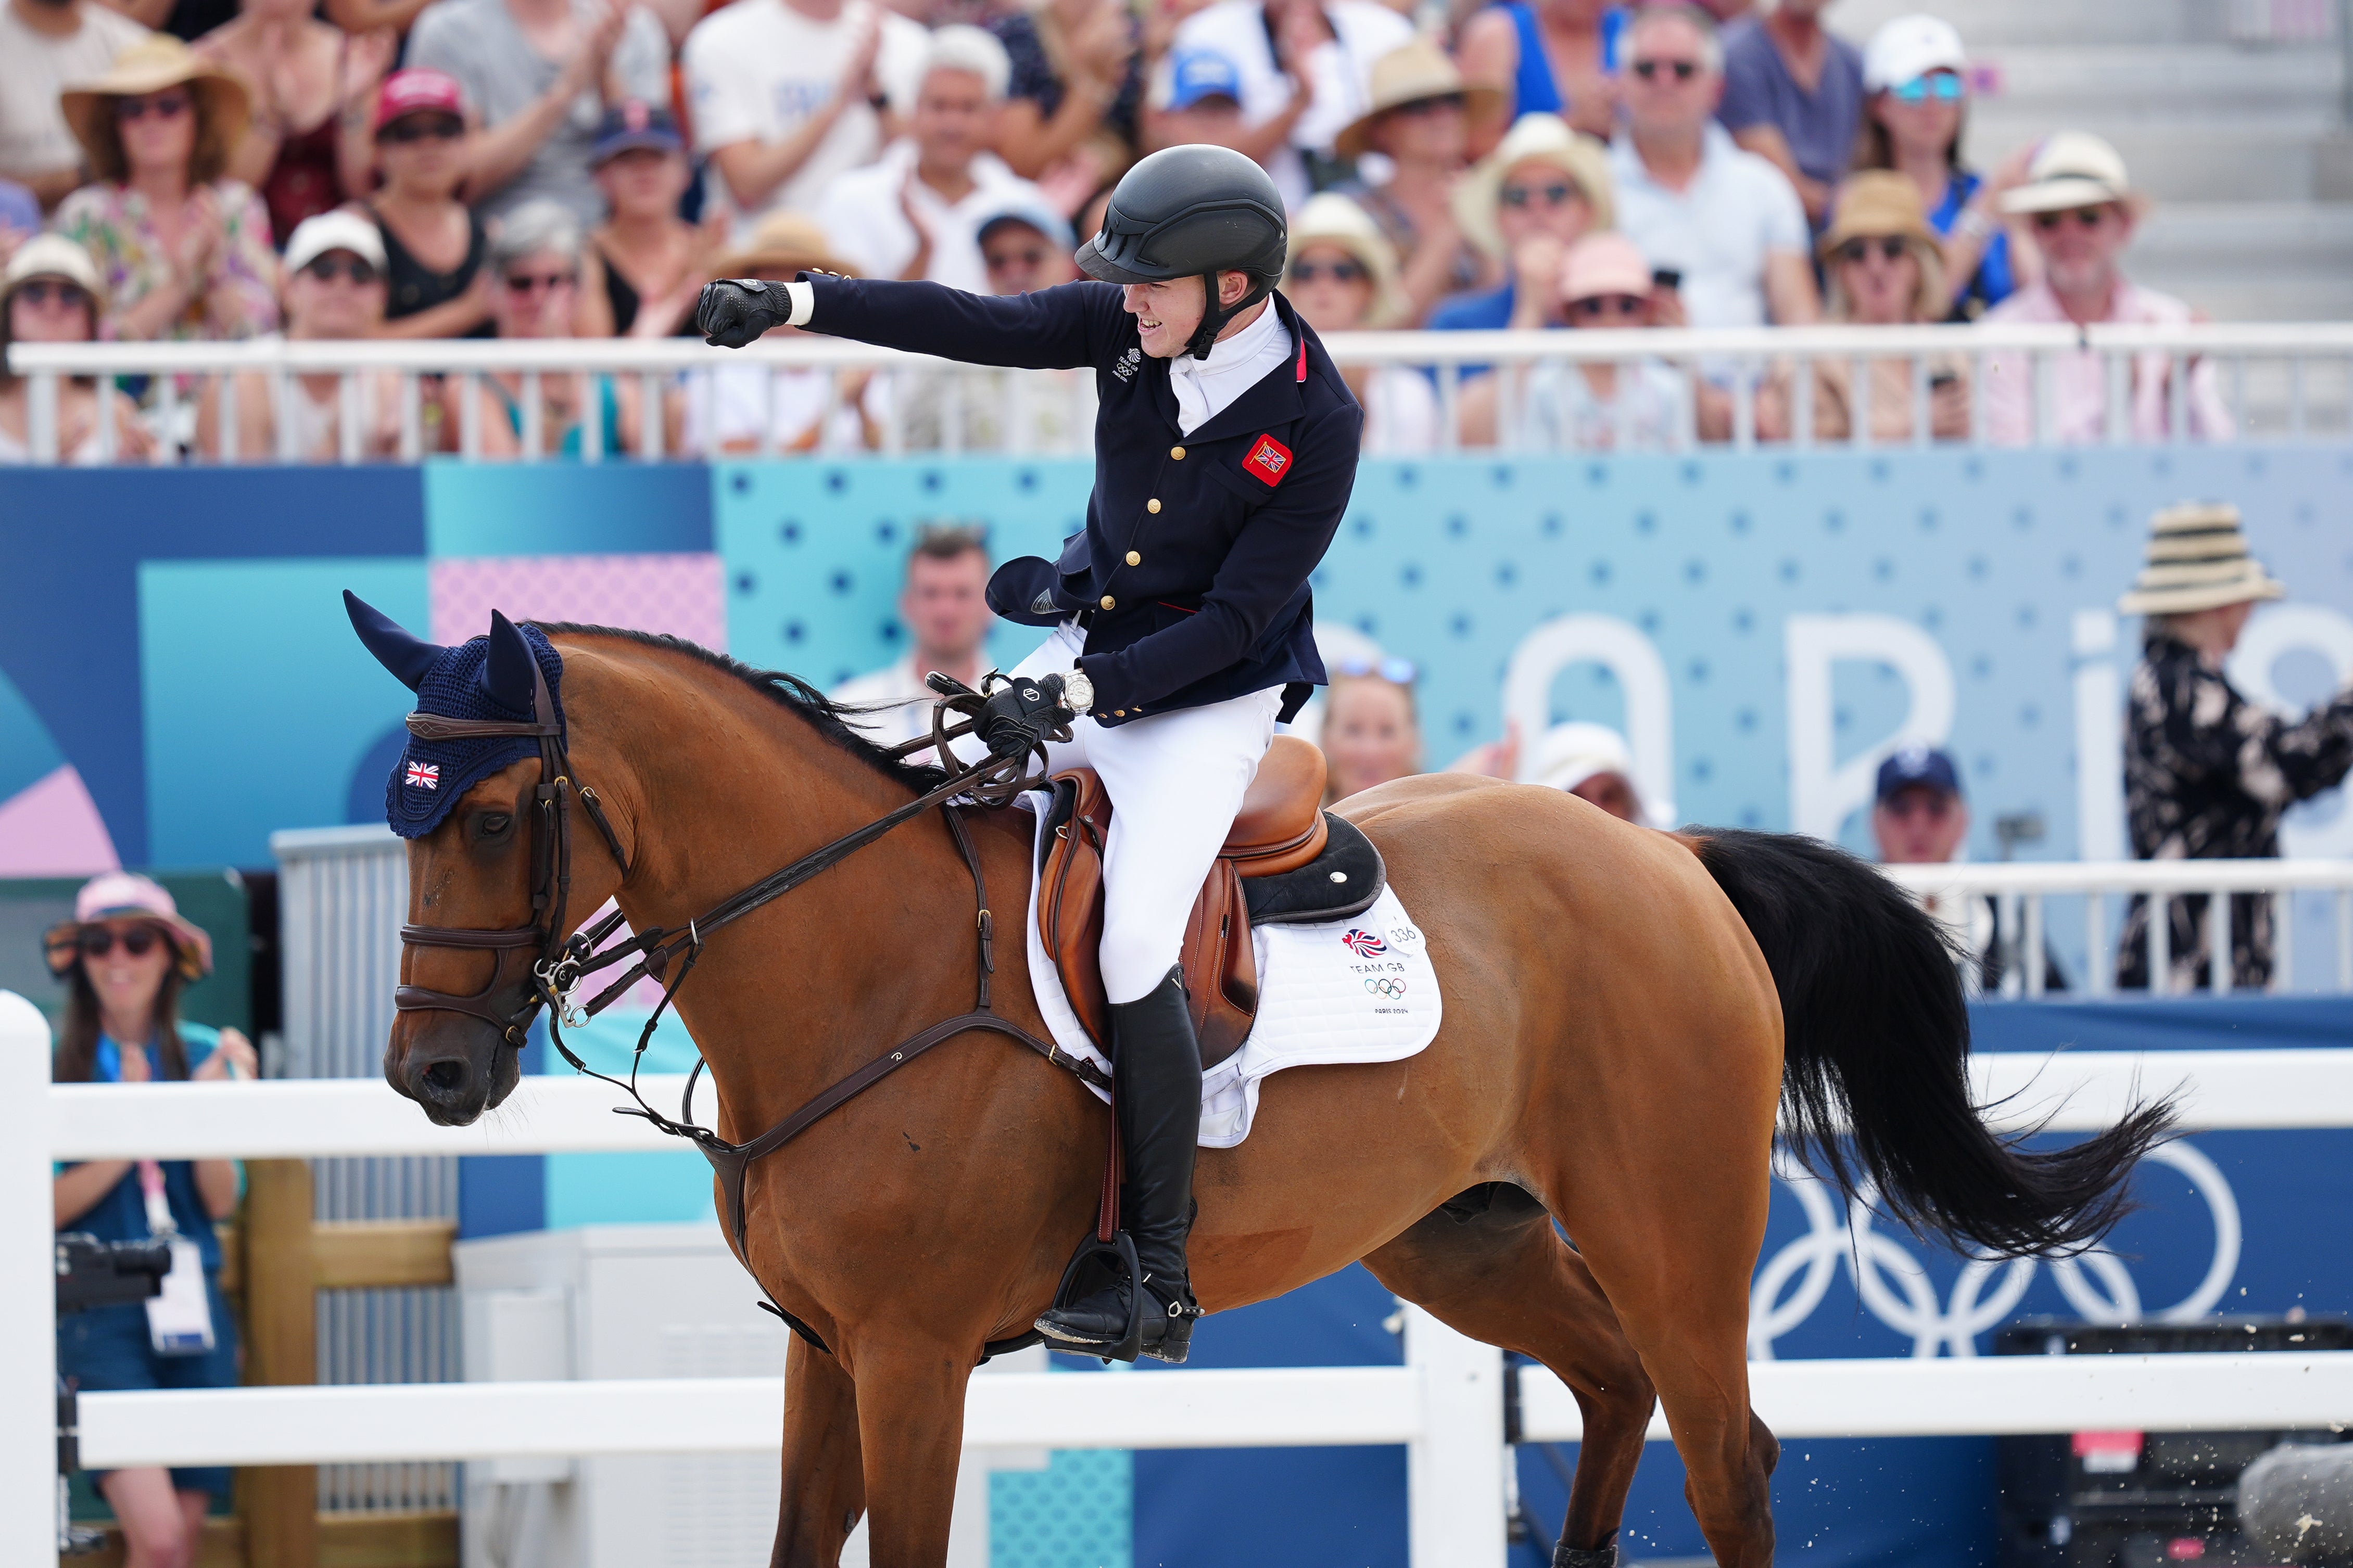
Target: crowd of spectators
{"points": [[538, 168]]}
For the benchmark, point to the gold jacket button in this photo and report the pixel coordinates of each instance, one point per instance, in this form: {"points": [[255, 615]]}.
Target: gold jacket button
{"points": [[1109, 602], [1134, 559], [1152, 505], [1177, 453], [1119, 713]]}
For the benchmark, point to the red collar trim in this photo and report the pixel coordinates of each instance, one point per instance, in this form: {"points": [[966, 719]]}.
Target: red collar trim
{"points": [[1303, 359]]}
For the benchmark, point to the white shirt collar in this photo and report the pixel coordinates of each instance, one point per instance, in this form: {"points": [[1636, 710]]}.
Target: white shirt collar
{"points": [[1206, 388]]}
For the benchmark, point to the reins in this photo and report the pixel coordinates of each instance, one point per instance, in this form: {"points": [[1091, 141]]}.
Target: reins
{"points": [[563, 963]]}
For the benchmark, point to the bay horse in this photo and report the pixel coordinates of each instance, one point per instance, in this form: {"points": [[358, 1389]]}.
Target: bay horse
{"points": [[1624, 1012]]}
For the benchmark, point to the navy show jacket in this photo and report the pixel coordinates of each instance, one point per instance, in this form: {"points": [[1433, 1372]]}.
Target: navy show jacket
{"points": [[1190, 576]]}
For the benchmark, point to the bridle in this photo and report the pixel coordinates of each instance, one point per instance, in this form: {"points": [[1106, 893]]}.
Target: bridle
{"points": [[563, 963]]}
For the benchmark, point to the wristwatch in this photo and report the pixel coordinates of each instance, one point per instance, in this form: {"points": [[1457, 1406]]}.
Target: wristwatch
{"points": [[1077, 691]]}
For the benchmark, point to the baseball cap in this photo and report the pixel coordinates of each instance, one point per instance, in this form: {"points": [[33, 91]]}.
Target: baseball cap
{"points": [[53, 256], [1909, 765], [636, 123], [315, 236], [1027, 207], [1197, 74], [1907, 47], [415, 90], [1604, 263]]}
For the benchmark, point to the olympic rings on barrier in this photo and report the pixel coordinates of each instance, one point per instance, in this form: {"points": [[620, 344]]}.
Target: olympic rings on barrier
{"points": [[1385, 986], [1895, 1288]]}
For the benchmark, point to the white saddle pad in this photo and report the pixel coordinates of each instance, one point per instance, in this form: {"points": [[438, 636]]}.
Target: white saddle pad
{"points": [[1357, 990]]}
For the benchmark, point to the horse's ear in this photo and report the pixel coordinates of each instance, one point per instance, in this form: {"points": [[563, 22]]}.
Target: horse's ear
{"points": [[408, 658], [507, 674]]}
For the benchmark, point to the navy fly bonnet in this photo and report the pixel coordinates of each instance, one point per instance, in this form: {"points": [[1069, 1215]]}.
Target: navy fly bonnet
{"points": [[487, 678]]}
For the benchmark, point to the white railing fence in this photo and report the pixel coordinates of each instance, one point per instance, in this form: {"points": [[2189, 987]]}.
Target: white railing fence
{"points": [[2283, 381], [1445, 1403], [2024, 892]]}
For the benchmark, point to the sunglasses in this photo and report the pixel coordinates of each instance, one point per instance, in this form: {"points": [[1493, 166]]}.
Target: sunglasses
{"points": [[162, 105], [526, 282], [1395, 670], [1599, 305], [1558, 194], [1338, 271], [332, 268], [998, 261], [1889, 247], [2085, 217], [44, 292], [1942, 86], [97, 942], [1648, 69], [422, 128]]}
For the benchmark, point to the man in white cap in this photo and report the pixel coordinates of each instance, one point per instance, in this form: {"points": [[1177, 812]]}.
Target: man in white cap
{"points": [[335, 289], [2207, 772], [2085, 210]]}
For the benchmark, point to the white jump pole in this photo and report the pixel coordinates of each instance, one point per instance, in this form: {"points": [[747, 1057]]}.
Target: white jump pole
{"points": [[29, 1454], [1454, 1465]]}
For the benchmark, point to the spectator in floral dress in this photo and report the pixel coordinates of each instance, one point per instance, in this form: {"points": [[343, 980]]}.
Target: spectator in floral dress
{"points": [[2207, 772], [184, 252]]}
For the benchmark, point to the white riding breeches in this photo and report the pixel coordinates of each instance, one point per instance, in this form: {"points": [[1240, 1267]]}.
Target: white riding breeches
{"points": [[1176, 781]]}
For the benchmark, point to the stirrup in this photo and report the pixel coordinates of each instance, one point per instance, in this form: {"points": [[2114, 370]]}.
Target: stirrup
{"points": [[1095, 1265]]}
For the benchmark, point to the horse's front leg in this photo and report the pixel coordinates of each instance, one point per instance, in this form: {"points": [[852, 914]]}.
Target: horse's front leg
{"points": [[824, 1482], [911, 1428]]}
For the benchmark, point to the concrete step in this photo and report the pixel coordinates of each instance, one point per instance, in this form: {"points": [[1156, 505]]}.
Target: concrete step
{"points": [[2250, 261], [2157, 80], [2259, 164]]}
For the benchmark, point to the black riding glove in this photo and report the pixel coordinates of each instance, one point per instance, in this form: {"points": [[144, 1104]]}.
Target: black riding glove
{"points": [[734, 312], [1019, 714]]}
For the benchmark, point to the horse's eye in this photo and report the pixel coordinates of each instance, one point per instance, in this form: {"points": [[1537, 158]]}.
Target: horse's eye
{"points": [[491, 824]]}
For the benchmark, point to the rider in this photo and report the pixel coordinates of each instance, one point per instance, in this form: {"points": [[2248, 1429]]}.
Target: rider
{"points": [[1225, 449]]}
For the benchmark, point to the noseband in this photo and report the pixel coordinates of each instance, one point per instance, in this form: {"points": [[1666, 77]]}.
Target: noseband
{"points": [[562, 963]]}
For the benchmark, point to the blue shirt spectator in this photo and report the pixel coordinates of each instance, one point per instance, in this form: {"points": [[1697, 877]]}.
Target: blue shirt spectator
{"points": [[1793, 94]]}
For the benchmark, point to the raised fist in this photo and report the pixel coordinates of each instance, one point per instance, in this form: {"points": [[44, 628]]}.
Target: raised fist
{"points": [[736, 311]]}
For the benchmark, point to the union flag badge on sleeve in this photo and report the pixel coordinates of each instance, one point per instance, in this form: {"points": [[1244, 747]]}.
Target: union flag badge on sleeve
{"points": [[1268, 461]]}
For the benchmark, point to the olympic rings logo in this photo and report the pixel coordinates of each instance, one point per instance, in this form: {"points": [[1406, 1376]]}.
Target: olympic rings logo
{"points": [[1386, 986], [1895, 1288]]}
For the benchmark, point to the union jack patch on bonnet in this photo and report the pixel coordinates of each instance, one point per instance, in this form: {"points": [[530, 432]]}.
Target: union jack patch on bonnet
{"points": [[424, 776]]}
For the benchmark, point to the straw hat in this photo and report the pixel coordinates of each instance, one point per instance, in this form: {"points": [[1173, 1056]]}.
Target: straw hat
{"points": [[1333, 219], [1540, 137], [2198, 560], [155, 62], [2075, 169], [1408, 74], [784, 240], [1873, 204]]}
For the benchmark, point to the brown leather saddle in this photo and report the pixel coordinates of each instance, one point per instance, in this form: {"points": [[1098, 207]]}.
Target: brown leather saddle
{"points": [[1285, 861]]}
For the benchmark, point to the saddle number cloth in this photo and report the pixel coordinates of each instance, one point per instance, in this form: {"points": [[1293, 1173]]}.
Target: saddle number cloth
{"points": [[1356, 990]]}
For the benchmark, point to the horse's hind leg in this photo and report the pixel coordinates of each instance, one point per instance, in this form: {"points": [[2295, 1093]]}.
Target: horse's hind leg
{"points": [[1490, 1266], [823, 1485]]}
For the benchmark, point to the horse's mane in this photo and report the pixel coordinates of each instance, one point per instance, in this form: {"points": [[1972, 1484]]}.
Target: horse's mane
{"points": [[837, 722]]}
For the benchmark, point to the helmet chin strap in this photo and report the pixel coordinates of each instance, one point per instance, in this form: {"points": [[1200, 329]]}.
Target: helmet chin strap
{"points": [[1215, 316]]}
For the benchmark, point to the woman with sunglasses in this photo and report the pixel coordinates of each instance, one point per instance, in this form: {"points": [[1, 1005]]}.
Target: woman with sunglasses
{"points": [[335, 290], [1420, 124], [1915, 76], [1342, 277], [1637, 405], [1886, 269], [183, 252], [125, 957], [51, 294], [436, 286], [534, 267]]}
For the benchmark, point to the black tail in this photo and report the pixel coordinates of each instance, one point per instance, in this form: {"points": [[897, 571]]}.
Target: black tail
{"points": [[1876, 1043]]}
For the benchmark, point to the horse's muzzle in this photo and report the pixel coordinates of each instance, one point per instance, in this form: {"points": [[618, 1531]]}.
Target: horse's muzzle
{"points": [[456, 1071]]}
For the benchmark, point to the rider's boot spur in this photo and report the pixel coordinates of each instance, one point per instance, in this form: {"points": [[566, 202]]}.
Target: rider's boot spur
{"points": [[1158, 1063]]}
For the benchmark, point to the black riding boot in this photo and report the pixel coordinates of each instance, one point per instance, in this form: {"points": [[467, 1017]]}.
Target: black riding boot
{"points": [[1158, 1064]]}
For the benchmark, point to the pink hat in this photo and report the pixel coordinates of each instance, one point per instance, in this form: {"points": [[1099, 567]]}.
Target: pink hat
{"points": [[1604, 263], [418, 89], [115, 895]]}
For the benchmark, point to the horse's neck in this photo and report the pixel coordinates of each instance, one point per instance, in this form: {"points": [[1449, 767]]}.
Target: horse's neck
{"points": [[798, 994]]}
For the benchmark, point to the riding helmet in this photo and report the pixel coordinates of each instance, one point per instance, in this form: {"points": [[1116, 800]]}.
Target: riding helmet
{"points": [[1190, 211]]}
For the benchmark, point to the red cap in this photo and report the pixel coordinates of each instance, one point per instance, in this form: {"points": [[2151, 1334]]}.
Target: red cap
{"points": [[417, 88]]}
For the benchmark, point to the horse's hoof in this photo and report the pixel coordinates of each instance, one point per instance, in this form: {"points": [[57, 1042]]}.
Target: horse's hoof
{"points": [[1569, 1556]]}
